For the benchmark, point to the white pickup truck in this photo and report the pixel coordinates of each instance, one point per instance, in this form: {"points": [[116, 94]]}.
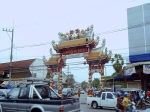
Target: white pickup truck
{"points": [[105, 99]]}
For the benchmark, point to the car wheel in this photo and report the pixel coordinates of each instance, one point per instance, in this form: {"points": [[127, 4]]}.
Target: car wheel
{"points": [[143, 106], [94, 104], [36, 110]]}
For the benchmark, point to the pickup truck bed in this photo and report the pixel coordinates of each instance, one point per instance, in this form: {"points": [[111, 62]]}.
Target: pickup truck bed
{"points": [[37, 98]]}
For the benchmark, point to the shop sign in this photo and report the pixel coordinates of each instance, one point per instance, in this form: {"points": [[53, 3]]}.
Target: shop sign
{"points": [[130, 71], [146, 69]]}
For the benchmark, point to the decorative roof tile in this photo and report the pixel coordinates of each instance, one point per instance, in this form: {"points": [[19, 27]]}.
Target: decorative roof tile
{"points": [[75, 42], [95, 55], [52, 61]]}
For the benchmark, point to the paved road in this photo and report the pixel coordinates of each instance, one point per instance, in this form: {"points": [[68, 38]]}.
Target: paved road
{"points": [[86, 108]]}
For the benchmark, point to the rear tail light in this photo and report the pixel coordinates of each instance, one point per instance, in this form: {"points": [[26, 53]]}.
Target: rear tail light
{"points": [[61, 108]]}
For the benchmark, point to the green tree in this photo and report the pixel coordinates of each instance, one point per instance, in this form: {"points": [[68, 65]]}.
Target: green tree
{"points": [[84, 85], [71, 81], [118, 63], [96, 82]]}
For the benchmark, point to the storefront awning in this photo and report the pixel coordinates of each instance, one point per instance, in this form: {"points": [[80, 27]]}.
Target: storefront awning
{"points": [[122, 78], [136, 64]]}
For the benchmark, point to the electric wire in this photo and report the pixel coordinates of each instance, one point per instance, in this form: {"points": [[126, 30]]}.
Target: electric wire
{"points": [[100, 34], [78, 12]]}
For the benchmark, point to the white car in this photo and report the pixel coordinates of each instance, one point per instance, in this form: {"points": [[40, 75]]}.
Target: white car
{"points": [[106, 99]]}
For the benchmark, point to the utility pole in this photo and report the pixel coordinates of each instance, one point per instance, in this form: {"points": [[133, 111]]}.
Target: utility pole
{"points": [[11, 52]]}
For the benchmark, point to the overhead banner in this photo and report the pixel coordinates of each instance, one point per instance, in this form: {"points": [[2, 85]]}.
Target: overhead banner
{"points": [[146, 69], [130, 71]]}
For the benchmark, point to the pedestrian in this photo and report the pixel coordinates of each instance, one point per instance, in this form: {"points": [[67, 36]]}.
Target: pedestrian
{"points": [[126, 102], [135, 96], [79, 93], [119, 102]]}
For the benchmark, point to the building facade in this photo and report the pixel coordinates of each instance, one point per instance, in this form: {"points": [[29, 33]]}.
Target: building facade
{"points": [[139, 45], [24, 69], [139, 33]]}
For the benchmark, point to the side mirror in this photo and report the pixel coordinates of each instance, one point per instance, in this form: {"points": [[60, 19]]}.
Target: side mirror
{"points": [[9, 96]]}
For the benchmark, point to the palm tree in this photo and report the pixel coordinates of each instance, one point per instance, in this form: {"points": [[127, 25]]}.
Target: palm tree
{"points": [[118, 63]]}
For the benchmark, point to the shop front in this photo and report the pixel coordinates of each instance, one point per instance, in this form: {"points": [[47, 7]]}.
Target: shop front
{"points": [[142, 69]]}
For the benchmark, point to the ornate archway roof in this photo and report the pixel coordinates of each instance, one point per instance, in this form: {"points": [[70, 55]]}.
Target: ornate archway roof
{"points": [[73, 43], [100, 53], [76, 38], [96, 55], [79, 41], [53, 61]]}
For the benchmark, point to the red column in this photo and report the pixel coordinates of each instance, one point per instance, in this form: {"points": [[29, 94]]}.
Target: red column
{"points": [[90, 82]]}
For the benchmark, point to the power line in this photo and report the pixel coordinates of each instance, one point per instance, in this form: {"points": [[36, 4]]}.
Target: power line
{"points": [[107, 32], [125, 28], [99, 6]]}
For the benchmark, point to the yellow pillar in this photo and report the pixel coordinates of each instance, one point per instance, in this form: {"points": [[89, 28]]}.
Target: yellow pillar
{"points": [[60, 83], [90, 84], [102, 75], [51, 79]]}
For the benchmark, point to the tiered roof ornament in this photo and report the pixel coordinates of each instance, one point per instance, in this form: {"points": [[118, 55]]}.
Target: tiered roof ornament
{"points": [[54, 58], [75, 39], [77, 34], [100, 52]]}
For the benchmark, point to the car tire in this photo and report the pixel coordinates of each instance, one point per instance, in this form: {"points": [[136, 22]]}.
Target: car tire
{"points": [[143, 106], [36, 110], [94, 104]]}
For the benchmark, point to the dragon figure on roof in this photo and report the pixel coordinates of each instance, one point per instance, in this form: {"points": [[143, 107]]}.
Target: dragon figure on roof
{"points": [[76, 34]]}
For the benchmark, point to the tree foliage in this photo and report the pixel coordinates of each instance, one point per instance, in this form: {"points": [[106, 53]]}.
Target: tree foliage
{"points": [[84, 85], [118, 63], [71, 81], [96, 82]]}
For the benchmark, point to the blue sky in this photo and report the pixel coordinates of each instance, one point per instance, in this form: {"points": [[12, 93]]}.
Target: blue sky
{"points": [[37, 23]]}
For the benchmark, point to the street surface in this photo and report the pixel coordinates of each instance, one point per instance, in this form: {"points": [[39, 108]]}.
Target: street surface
{"points": [[87, 108]]}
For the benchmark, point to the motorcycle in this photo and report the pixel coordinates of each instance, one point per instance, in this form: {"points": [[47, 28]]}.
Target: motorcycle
{"points": [[147, 100], [142, 104], [133, 107]]}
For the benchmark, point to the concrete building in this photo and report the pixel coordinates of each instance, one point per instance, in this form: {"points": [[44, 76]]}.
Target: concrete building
{"points": [[139, 46], [139, 33]]}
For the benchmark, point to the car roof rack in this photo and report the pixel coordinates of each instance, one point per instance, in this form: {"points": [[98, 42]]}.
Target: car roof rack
{"points": [[37, 79], [32, 80]]}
